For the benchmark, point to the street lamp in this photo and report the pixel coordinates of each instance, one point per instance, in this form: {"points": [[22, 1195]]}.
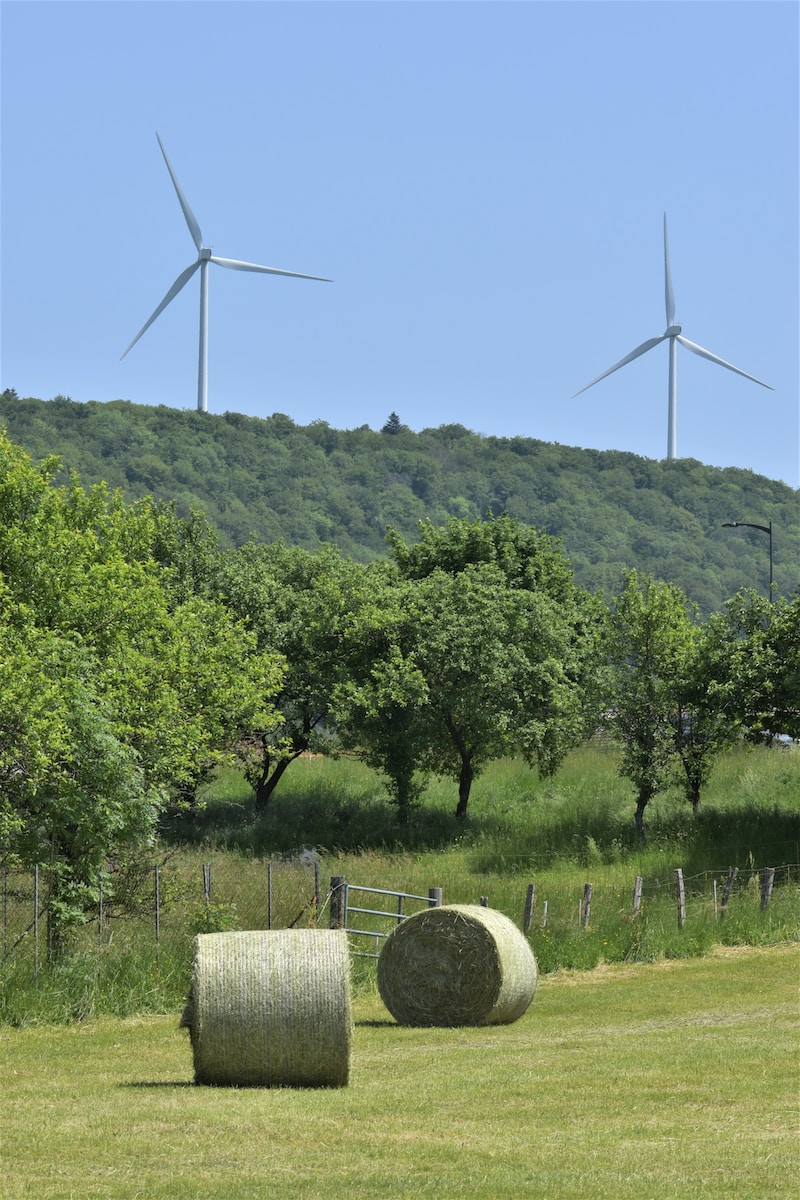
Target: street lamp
{"points": [[764, 529]]}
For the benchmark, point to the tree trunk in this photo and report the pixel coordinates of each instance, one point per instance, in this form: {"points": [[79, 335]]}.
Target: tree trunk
{"points": [[267, 783], [641, 805], [464, 784]]}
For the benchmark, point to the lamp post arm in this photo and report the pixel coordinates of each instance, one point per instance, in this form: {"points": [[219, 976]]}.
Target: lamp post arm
{"points": [[764, 529]]}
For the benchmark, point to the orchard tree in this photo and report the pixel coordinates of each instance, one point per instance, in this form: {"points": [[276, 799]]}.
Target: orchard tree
{"points": [[650, 644], [758, 647], [503, 641], [298, 605], [381, 707]]}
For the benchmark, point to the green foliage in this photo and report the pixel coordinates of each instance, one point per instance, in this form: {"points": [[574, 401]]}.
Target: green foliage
{"points": [[469, 649], [649, 646], [118, 688], [557, 832], [758, 663], [297, 605], [272, 480]]}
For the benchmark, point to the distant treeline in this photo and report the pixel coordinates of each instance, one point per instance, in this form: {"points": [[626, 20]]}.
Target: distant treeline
{"points": [[273, 480]]}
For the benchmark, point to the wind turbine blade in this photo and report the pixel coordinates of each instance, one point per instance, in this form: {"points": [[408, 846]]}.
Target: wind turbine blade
{"points": [[645, 346], [234, 265], [191, 220], [180, 282], [669, 295], [695, 349]]}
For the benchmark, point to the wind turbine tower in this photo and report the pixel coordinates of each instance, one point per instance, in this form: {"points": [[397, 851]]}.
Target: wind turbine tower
{"points": [[204, 257], [674, 335]]}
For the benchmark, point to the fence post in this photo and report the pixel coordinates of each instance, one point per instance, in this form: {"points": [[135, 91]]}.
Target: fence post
{"points": [[767, 880], [338, 901], [681, 898], [732, 873], [207, 882], [316, 890], [527, 915], [544, 915], [5, 908], [484, 901], [637, 895], [587, 903], [269, 895], [435, 897]]}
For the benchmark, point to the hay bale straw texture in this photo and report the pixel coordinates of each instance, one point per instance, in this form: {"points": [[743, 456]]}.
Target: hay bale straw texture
{"points": [[459, 964], [271, 1009]]}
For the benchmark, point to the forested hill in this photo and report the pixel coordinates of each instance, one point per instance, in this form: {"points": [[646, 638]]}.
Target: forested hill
{"points": [[274, 480]]}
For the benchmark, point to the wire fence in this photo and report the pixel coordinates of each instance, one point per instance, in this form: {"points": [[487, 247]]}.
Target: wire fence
{"points": [[164, 904]]}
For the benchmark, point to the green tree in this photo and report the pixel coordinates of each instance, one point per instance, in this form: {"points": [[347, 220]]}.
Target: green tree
{"points": [[113, 693], [758, 649], [297, 604], [393, 424], [381, 708], [704, 720], [649, 644], [502, 642]]}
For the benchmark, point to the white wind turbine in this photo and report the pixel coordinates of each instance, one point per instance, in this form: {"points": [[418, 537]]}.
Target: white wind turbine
{"points": [[673, 333], [204, 257]]}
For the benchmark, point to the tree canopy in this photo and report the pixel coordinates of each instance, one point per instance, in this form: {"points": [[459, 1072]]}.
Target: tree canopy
{"points": [[273, 480]]}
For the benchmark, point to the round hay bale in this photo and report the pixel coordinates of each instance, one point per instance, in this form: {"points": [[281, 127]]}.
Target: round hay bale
{"points": [[459, 964], [271, 1009]]}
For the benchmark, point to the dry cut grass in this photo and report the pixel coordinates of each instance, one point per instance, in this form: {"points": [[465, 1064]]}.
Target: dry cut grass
{"points": [[671, 1079]]}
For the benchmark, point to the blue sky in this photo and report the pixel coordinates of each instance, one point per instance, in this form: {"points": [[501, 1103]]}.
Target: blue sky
{"points": [[485, 183]]}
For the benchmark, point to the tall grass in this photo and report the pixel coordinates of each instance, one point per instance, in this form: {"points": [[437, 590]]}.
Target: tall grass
{"points": [[556, 833]]}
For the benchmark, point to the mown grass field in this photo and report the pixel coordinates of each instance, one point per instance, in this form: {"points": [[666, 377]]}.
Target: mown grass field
{"points": [[674, 1079]]}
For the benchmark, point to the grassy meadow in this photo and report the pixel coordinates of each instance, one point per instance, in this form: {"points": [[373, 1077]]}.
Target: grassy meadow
{"points": [[654, 1061], [557, 834], [678, 1078]]}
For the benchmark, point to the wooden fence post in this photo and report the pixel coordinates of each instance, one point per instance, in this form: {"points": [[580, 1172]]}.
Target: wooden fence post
{"points": [[637, 895], [587, 903], [681, 898], [767, 880], [544, 915], [726, 891], [207, 882], [435, 897], [157, 902], [527, 915], [338, 901]]}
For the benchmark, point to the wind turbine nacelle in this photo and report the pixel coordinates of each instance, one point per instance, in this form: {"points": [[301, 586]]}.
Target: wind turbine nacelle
{"points": [[673, 331], [205, 253]]}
